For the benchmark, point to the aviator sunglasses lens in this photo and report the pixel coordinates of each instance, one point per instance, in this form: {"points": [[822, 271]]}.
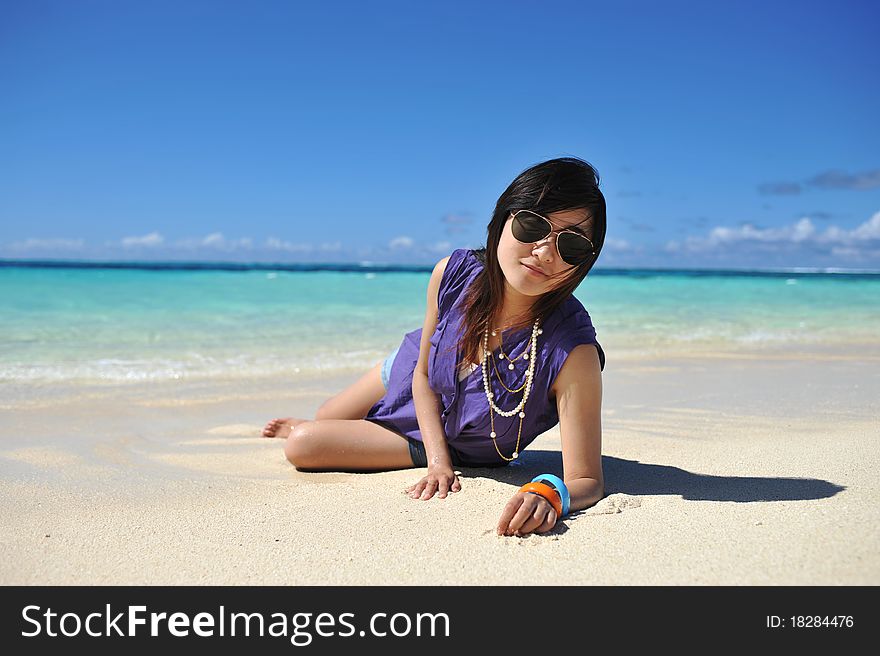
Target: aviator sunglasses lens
{"points": [[529, 228], [573, 249]]}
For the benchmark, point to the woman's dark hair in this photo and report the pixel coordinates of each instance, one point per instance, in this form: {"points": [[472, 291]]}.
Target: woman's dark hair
{"points": [[566, 183]]}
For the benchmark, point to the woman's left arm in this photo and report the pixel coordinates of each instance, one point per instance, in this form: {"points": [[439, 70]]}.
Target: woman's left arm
{"points": [[578, 391]]}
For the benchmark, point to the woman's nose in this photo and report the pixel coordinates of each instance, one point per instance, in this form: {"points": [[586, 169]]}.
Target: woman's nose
{"points": [[547, 242]]}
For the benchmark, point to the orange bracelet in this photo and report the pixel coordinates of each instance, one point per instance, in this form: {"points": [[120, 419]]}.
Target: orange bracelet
{"points": [[544, 490]]}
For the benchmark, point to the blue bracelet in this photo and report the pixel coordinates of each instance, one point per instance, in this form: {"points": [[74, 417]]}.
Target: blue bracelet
{"points": [[559, 485]]}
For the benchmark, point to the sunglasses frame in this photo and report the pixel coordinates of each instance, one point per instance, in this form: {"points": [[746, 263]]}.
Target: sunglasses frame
{"points": [[558, 232]]}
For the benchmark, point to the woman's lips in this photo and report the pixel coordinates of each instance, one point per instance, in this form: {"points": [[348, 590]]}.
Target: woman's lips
{"points": [[534, 272]]}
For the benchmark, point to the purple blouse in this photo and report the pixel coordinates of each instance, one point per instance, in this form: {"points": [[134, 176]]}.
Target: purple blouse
{"points": [[465, 415]]}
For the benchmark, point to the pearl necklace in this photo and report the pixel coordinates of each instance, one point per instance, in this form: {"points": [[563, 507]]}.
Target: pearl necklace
{"points": [[487, 386]]}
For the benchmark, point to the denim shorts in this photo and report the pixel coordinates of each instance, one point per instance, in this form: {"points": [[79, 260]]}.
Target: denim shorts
{"points": [[420, 458], [386, 367]]}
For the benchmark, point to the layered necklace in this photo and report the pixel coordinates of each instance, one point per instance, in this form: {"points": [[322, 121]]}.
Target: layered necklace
{"points": [[527, 355]]}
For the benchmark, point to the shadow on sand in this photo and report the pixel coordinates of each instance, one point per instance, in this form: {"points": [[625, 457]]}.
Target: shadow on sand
{"points": [[638, 478]]}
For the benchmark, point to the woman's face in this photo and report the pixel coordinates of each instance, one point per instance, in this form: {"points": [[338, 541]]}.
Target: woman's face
{"points": [[513, 256]]}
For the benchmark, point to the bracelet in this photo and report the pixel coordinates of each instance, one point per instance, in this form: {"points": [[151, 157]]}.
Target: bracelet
{"points": [[544, 490], [559, 485]]}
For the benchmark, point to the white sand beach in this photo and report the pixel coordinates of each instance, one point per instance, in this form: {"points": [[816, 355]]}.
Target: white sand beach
{"points": [[739, 469]]}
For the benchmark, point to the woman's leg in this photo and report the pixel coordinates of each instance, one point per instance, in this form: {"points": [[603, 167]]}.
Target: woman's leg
{"points": [[351, 403], [346, 445], [355, 401]]}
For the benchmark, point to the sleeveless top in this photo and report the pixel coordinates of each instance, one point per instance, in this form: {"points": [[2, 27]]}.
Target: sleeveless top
{"points": [[465, 414]]}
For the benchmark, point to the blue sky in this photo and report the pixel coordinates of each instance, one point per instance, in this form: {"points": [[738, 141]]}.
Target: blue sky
{"points": [[734, 134]]}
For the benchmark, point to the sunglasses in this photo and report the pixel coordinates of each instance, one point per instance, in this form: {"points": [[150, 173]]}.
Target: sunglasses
{"points": [[574, 248]]}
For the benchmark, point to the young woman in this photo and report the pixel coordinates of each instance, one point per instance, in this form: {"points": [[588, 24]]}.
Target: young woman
{"points": [[506, 352]]}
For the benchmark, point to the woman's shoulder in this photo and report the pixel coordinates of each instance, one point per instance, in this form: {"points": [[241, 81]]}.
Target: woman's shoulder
{"points": [[573, 313], [461, 267], [570, 315], [466, 257]]}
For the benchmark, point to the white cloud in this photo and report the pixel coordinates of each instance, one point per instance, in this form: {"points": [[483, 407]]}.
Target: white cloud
{"points": [[870, 229], [152, 239], [861, 241], [215, 241], [441, 247], [58, 244], [276, 244], [616, 244], [401, 242]]}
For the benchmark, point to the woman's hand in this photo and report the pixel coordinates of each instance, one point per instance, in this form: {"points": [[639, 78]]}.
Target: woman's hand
{"points": [[525, 513], [440, 479]]}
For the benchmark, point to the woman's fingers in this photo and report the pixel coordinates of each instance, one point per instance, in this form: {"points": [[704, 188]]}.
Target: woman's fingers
{"points": [[522, 515], [416, 489], [534, 521], [427, 487], [549, 522], [507, 514], [526, 513], [429, 490]]}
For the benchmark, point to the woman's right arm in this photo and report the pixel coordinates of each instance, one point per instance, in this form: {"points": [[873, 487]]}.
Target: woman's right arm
{"points": [[441, 478]]}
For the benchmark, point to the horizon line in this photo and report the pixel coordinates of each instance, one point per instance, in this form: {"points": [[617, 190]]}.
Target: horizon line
{"points": [[367, 266]]}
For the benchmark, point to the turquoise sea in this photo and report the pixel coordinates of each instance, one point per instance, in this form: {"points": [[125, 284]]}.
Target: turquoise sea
{"points": [[112, 325]]}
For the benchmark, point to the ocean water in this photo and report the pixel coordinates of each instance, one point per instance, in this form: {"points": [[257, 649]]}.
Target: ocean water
{"points": [[113, 326]]}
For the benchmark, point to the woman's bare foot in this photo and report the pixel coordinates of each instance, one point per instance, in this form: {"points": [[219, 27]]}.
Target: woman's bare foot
{"points": [[281, 427]]}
